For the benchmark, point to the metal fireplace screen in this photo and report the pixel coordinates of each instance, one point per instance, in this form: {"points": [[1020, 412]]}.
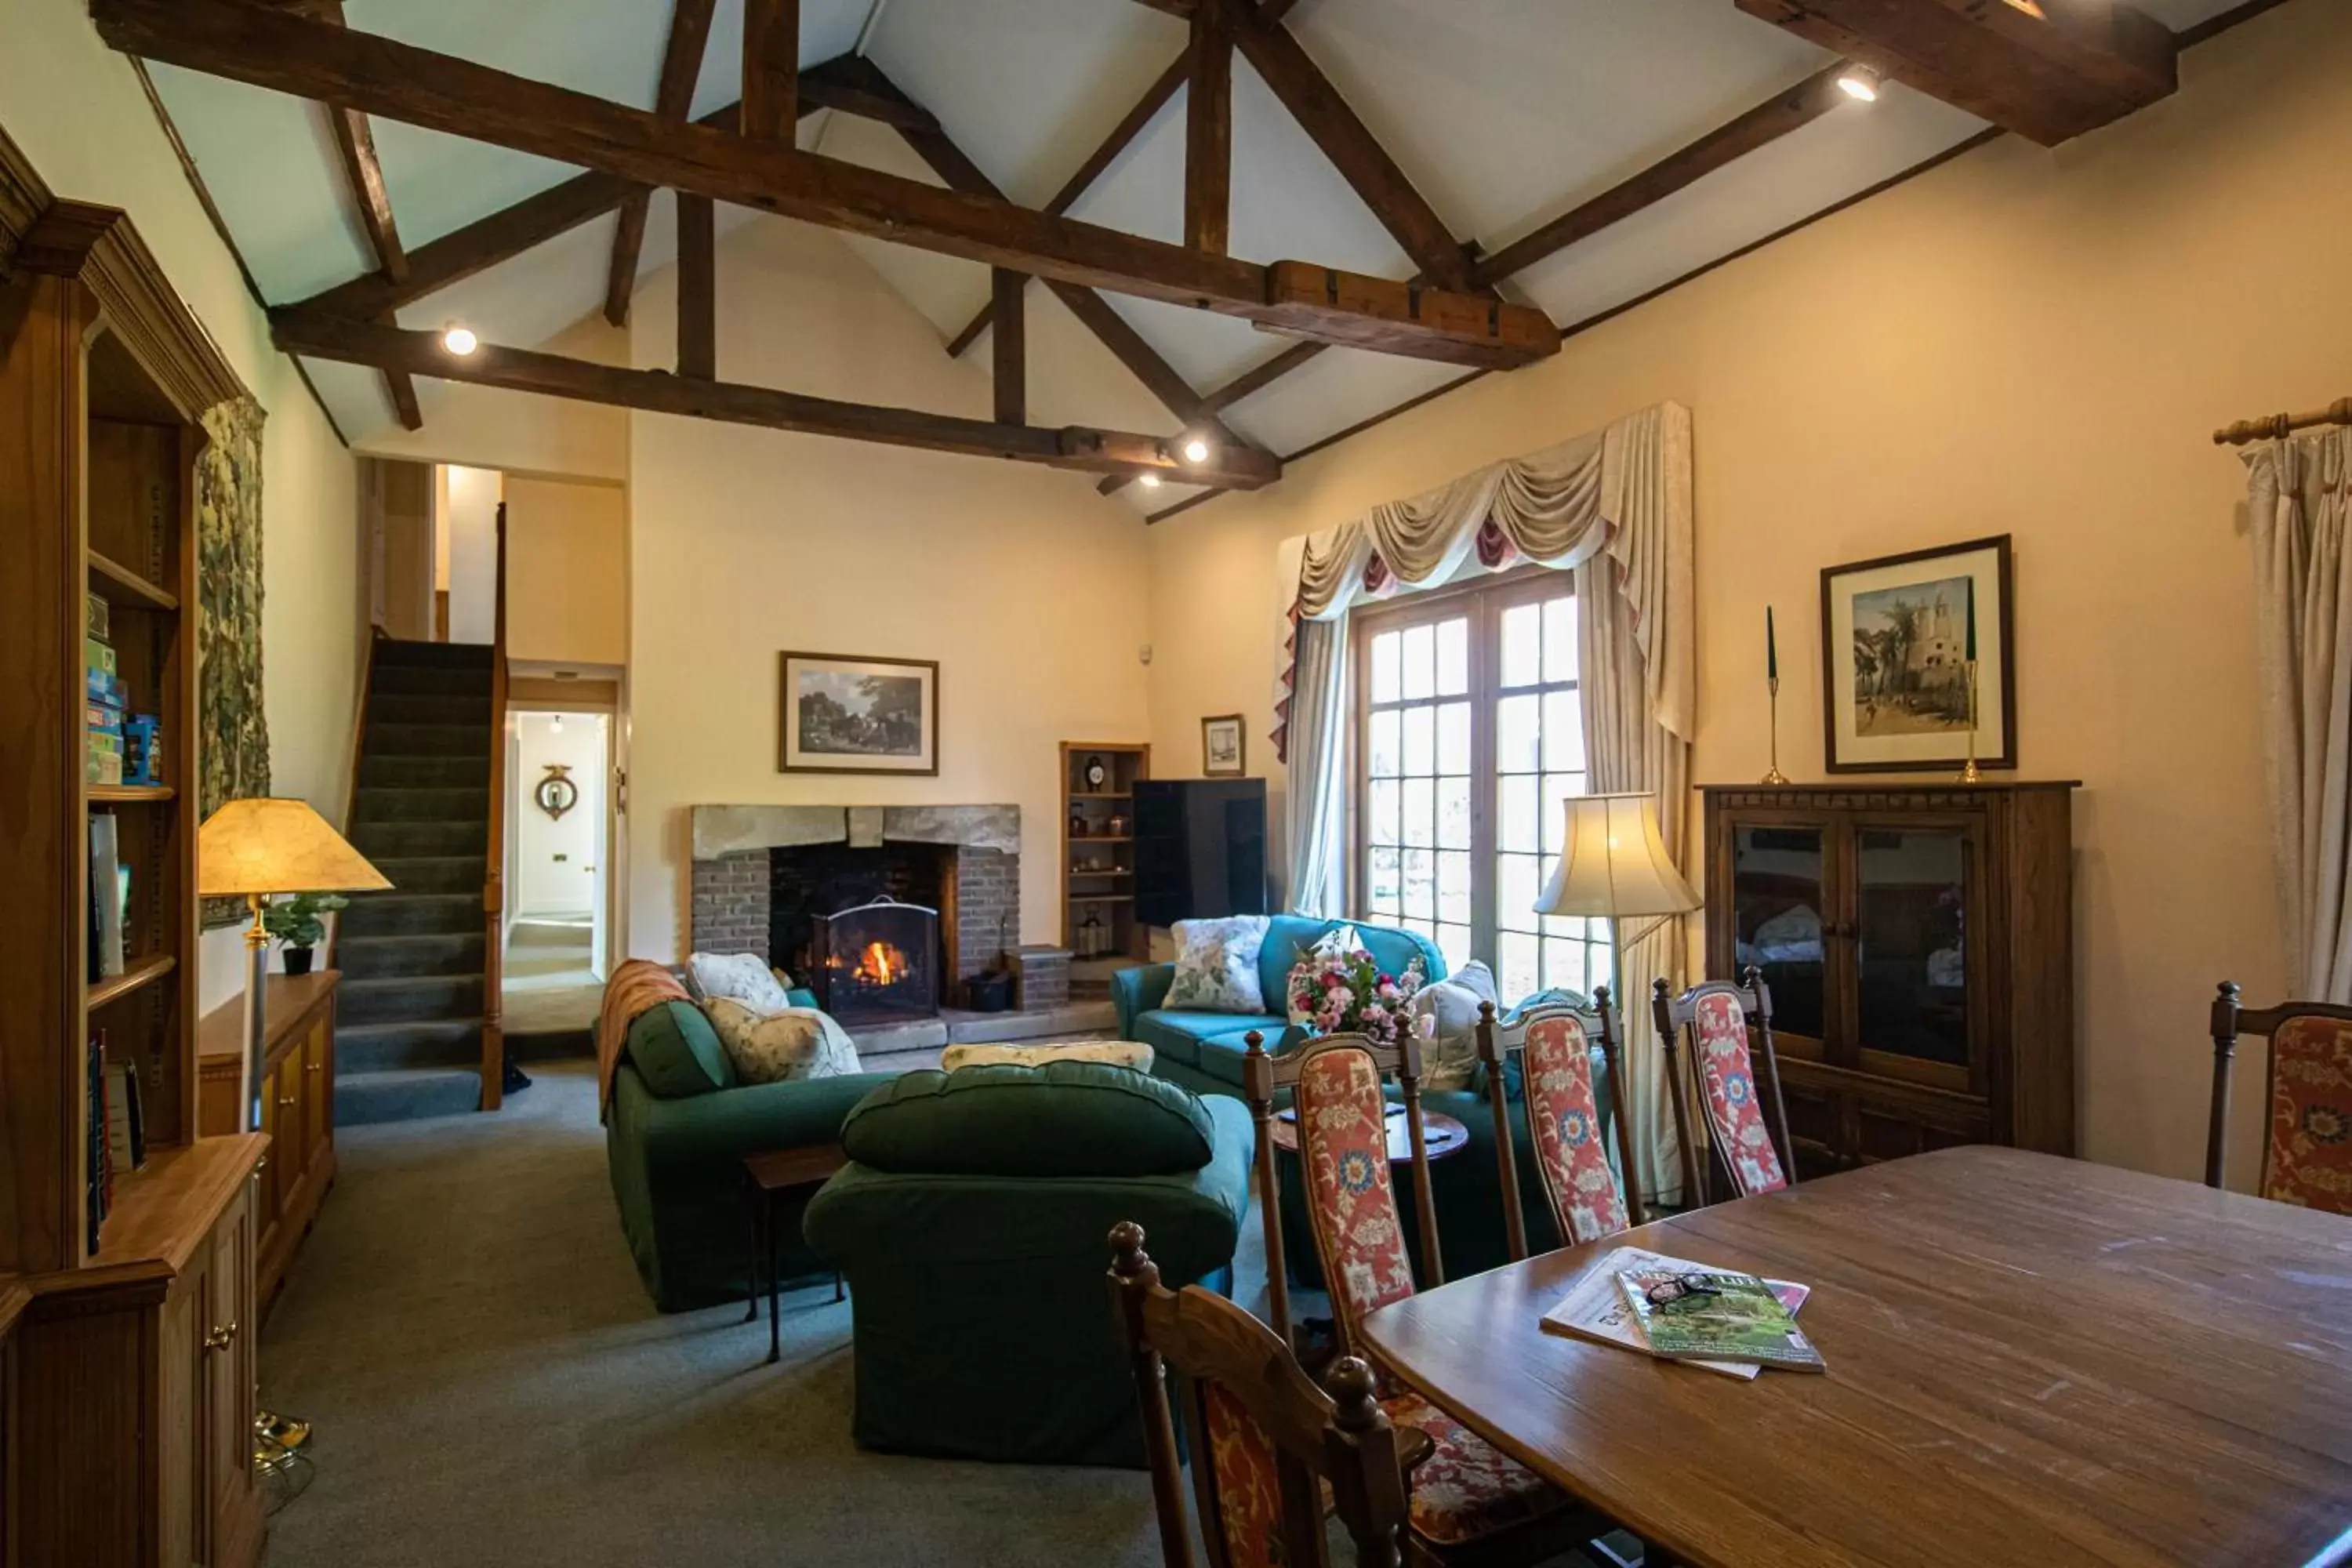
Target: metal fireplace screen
{"points": [[877, 962]]}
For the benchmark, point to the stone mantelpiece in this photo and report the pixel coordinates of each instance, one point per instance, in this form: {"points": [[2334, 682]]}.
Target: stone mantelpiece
{"points": [[733, 846]]}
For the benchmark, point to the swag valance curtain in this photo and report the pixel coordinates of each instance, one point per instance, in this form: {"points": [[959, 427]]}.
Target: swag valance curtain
{"points": [[1613, 508]]}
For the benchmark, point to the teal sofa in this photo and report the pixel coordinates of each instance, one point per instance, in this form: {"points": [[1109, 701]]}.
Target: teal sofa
{"points": [[675, 1137], [1202, 1052], [972, 1224]]}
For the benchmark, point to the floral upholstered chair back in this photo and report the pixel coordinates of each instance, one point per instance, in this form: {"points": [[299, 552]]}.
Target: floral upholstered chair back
{"points": [[2307, 1119], [1726, 1085], [1564, 1120], [1343, 1149]]}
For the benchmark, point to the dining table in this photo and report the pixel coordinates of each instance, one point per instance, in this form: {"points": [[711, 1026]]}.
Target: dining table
{"points": [[2030, 1360]]}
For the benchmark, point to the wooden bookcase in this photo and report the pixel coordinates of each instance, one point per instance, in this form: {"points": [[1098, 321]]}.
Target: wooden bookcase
{"points": [[1099, 859], [134, 1392]]}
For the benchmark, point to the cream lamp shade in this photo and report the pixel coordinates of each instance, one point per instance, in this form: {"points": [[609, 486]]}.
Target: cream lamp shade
{"points": [[272, 846], [1615, 862]]}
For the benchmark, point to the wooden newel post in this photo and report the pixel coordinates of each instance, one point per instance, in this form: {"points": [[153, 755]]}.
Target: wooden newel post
{"points": [[2225, 1052], [1257, 1087]]}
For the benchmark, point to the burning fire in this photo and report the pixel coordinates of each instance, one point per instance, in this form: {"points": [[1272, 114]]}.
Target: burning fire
{"points": [[880, 964]]}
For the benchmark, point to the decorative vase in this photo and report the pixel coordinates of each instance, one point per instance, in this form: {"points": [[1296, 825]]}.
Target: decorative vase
{"points": [[298, 961]]}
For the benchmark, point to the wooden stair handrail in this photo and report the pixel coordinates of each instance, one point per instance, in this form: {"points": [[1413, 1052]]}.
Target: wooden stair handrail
{"points": [[352, 788], [494, 879]]}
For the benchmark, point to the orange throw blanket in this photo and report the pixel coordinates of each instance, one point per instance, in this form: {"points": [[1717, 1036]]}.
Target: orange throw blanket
{"points": [[636, 985]]}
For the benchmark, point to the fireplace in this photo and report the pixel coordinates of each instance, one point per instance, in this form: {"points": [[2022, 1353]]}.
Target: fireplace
{"points": [[876, 961]]}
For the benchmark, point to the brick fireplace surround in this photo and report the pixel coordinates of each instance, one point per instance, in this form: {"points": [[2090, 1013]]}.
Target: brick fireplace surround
{"points": [[731, 879]]}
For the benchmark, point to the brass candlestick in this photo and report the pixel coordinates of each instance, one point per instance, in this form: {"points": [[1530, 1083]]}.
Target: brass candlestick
{"points": [[1968, 773], [1775, 776]]}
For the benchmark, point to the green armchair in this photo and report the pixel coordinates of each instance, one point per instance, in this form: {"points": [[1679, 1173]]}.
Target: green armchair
{"points": [[970, 1226]]}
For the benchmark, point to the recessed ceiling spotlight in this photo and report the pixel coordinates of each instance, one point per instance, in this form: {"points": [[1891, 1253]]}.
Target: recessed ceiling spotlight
{"points": [[1196, 448], [1861, 83], [555, 724], [1150, 482], [460, 340]]}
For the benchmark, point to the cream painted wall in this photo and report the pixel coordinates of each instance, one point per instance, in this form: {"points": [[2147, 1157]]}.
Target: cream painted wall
{"points": [[520, 432], [1024, 584], [77, 109], [567, 571], [470, 537], [2023, 342]]}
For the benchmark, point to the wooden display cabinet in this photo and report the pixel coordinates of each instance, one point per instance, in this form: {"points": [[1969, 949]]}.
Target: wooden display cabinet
{"points": [[1098, 859], [1919, 942]]}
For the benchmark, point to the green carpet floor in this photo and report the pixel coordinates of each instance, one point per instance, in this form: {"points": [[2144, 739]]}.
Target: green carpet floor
{"points": [[491, 1385]]}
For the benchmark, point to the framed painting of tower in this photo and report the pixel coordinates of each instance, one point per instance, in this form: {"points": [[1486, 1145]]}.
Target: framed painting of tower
{"points": [[1916, 666]]}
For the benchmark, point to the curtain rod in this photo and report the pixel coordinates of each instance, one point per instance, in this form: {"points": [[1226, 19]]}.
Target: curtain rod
{"points": [[2336, 412]]}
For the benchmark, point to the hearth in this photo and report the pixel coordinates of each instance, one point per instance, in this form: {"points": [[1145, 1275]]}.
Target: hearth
{"points": [[877, 962]]}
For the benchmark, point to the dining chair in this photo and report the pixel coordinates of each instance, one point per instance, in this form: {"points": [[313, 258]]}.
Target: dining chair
{"points": [[2307, 1151], [1750, 1139], [1468, 1501], [1553, 1041], [1269, 1444]]}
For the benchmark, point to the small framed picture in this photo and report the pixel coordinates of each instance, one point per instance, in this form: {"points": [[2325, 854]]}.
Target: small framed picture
{"points": [[1916, 653], [841, 714], [1225, 747]]}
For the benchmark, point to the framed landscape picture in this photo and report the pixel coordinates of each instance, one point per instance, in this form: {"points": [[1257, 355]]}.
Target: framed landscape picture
{"points": [[1897, 633], [848, 715], [1224, 749]]}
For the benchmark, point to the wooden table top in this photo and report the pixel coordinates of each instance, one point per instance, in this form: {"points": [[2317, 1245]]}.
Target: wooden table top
{"points": [[2030, 1360], [1440, 1134], [779, 1169]]}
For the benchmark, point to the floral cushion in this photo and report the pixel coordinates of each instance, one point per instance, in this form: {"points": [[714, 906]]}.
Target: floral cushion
{"points": [[772, 1048], [1343, 1146], [1565, 1119], [2308, 1160], [1468, 1488], [1216, 965], [745, 976], [1115, 1053], [1249, 1488], [1728, 1084]]}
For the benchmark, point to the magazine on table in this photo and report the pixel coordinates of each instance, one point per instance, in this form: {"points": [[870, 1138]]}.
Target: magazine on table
{"points": [[1716, 1314], [1596, 1308]]}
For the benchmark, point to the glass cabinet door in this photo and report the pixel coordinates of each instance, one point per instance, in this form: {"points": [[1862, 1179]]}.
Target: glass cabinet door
{"points": [[1912, 957], [1779, 896]]}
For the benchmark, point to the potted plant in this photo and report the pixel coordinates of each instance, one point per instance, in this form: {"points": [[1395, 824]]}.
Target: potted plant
{"points": [[294, 921]]}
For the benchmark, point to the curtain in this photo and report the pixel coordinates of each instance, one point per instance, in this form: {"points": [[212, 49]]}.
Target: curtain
{"points": [[1614, 508], [233, 732], [2299, 503]]}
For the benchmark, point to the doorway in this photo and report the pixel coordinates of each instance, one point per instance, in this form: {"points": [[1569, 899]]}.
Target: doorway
{"points": [[557, 851]]}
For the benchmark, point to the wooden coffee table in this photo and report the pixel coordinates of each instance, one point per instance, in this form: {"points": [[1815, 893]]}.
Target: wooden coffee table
{"points": [[767, 1178]]}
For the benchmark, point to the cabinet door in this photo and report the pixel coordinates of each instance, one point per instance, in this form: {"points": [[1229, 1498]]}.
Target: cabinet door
{"points": [[318, 1086], [182, 1458], [1915, 1004], [1782, 871], [228, 1432], [293, 1145]]}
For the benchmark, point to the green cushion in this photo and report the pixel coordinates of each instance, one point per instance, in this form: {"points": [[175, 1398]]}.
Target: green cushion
{"points": [[1066, 1118], [678, 1053], [1177, 1032]]}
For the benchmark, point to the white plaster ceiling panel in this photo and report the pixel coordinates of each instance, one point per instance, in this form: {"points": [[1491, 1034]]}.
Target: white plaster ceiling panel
{"points": [[355, 395], [1848, 150], [525, 301], [1505, 112], [270, 165], [1026, 88], [1337, 388], [946, 289], [1074, 379], [828, 27]]}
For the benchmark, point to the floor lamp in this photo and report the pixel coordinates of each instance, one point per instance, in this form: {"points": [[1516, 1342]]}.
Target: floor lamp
{"points": [[253, 849], [1613, 866]]}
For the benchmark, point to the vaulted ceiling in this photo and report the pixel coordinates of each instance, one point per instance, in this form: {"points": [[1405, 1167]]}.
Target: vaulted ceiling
{"points": [[1501, 117]]}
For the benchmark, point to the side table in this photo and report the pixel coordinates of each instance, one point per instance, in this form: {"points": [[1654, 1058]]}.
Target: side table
{"points": [[767, 1178]]}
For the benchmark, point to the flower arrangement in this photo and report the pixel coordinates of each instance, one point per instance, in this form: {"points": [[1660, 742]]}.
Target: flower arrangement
{"points": [[1348, 994]]}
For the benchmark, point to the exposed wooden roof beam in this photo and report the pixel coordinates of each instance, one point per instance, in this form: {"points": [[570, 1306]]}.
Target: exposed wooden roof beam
{"points": [[681, 67], [2048, 72], [1011, 371], [372, 203], [697, 287], [1074, 447], [1208, 131], [771, 63], [244, 42]]}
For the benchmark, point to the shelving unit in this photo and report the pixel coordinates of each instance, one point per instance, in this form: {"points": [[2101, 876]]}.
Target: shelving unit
{"points": [[1099, 861]]}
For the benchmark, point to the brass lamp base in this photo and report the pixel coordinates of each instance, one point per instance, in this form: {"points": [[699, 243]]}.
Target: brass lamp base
{"points": [[277, 1438]]}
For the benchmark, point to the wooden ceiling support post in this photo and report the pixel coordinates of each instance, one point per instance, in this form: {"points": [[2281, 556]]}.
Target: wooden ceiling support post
{"points": [[771, 63], [1012, 346], [690, 34], [698, 287], [1209, 131]]}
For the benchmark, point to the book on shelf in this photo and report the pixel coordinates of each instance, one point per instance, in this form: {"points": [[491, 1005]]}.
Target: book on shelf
{"points": [[126, 1129], [1596, 1308], [97, 1187], [1716, 1314], [97, 616], [108, 895]]}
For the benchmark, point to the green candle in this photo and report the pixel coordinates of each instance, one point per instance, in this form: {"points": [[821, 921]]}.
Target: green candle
{"points": [[1771, 649], [1972, 620]]}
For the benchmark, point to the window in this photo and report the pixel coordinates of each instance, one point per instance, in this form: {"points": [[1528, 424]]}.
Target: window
{"points": [[1472, 733]]}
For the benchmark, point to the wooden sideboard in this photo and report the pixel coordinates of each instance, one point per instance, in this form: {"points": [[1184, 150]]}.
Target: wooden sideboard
{"points": [[297, 1109], [1918, 940]]}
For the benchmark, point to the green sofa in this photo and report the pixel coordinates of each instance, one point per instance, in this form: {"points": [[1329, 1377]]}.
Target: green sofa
{"points": [[972, 1225], [675, 1138], [1202, 1052]]}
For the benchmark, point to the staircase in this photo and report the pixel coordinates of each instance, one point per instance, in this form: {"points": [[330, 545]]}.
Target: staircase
{"points": [[408, 1026]]}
